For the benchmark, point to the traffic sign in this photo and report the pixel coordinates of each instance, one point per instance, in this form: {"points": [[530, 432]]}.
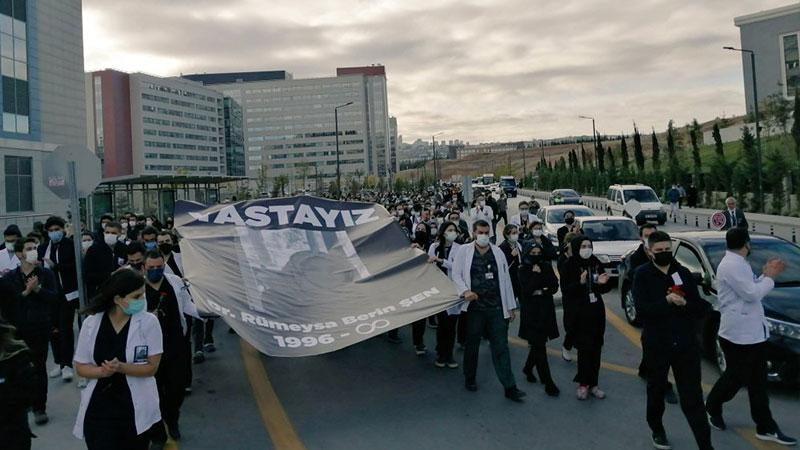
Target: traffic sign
{"points": [[56, 174], [633, 208], [718, 220]]}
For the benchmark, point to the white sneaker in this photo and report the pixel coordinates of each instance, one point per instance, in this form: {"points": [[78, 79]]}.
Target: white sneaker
{"points": [[67, 373], [82, 382], [55, 373], [566, 354]]}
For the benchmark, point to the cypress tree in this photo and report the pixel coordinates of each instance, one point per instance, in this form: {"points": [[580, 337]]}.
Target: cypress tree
{"points": [[749, 165], [611, 161], [656, 153], [718, 147], [638, 153], [694, 132], [599, 155], [584, 162], [623, 149]]}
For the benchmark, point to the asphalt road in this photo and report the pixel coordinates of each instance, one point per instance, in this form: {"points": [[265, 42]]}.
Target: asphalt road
{"points": [[377, 395]]}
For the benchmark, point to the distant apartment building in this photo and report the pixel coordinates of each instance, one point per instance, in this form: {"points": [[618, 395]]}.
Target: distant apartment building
{"points": [[41, 62], [289, 128], [774, 36]]}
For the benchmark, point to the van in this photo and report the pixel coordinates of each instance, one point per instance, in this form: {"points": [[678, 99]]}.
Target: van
{"points": [[618, 202], [509, 186]]}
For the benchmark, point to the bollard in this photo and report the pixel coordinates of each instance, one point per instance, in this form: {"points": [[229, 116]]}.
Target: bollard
{"points": [[685, 219], [708, 223], [794, 236], [674, 218], [771, 230], [696, 219]]}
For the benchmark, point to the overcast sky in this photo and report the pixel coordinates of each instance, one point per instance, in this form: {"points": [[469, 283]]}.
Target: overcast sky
{"points": [[479, 70]]}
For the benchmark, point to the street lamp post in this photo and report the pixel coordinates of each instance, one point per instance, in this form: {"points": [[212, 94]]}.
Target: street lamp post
{"points": [[594, 130], [755, 112], [338, 166]]}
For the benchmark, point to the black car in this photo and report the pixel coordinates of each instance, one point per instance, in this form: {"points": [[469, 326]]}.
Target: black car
{"points": [[701, 252], [509, 186], [565, 197]]}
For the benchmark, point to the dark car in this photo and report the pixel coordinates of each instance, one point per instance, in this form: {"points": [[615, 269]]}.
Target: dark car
{"points": [[701, 252], [509, 186], [565, 197]]}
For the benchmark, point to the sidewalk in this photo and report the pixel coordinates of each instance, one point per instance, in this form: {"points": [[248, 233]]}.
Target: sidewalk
{"points": [[782, 226]]}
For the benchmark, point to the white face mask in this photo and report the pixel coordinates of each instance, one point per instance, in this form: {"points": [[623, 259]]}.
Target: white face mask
{"points": [[482, 203], [451, 235], [538, 233], [586, 253], [110, 239], [513, 238], [124, 225], [31, 256], [482, 240], [86, 244], [523, 212], [132, 223], [148, 222]]}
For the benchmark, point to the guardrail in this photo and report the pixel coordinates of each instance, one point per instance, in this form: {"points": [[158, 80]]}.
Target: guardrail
{"points": [[782, 226]]}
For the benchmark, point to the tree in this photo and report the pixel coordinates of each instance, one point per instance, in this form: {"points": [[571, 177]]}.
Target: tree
{"points": [[611, 161], [623, 149], [694, 131], [584, 162], [672, 155], [796, 126], [749, 164], [638, 153], [599, 155], [718, 147], [777, 111], [776, 170], [656, 153]]}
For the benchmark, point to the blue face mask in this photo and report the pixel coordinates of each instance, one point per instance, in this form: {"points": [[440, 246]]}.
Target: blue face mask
{"points": [[135, 306], [151, 245], [155, 275], [55, 236]]}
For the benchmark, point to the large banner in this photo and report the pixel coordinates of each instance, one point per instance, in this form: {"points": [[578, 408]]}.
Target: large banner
{"points": [[303, 276]]}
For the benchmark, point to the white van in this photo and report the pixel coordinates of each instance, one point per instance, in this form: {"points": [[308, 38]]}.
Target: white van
{"points": [[618, 202]]}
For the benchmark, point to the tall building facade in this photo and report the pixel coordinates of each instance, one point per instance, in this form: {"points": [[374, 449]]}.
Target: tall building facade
{"points": [[43, 96], [774, 36], [289, 126], [393, 145], [234, 138], [142, 125]]}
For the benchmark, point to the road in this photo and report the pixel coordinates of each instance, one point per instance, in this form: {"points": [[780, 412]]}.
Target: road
{"points": [[377, 395]]}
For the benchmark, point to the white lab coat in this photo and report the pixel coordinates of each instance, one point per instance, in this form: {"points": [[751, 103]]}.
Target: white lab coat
{"points": [[185, 304], [460, 274], [8, 260], [144, 330], [178, 260], [740, 293], [477, 213], [516, 219], [447, 263]]}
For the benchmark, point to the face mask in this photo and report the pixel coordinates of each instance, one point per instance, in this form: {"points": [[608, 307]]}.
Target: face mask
{"points": [[663, 259], [150, 245], [523, 212], [482, 203], [482, 240], [31, 256], [165, 248], [135, 306], [440, 220], [10, 246], [569, 220], [86, 244], [110, 239], [450, 236], [538, 233], [586, 253], [137, 265], [155, 275], [148, 222], [534, 259], [416, 213], [124, 225], [131, 223], [513, 238], [55, 236]]}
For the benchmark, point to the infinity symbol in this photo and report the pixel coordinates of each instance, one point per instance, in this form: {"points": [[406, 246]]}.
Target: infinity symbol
{"points": [[372, 327]]}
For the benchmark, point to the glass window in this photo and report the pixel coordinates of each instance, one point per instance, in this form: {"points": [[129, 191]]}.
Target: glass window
{"points": [[557, 215], [19, 184], [20, 52], [763, 249], [6, 46], [791, 61], [610, 230], [689, 259], [641, 195], [19, 11]]}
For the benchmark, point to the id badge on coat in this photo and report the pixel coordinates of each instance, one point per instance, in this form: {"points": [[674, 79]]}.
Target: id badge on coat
{"points": [[140, 354], [489, 276], [676, 279], [592, 297]]}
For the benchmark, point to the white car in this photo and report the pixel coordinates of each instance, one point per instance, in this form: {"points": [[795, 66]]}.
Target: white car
{"points": [[552, 218], [611, 238], [621, 198]]}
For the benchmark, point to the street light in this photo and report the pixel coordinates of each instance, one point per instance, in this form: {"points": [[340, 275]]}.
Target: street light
{"points": [[755, 112], [338, 167], [433, 139], [594, 132]]}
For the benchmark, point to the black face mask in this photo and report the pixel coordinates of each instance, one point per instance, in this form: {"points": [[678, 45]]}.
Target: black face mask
{"points": [[663, 259], [569, 220], [137, 266], [165, 248]]}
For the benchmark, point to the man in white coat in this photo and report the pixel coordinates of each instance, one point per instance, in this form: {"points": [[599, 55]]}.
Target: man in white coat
{"points": [[480, 273], [482, 212], [8, 259]]}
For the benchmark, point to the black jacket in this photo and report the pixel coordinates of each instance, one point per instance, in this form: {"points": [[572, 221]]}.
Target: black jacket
{"points": [[63, 255], [741, 221], [667, 326], [98, 264], [30, 314], [17, 378], [513, 264], [589, 318], [636, 260], [538, 313]]}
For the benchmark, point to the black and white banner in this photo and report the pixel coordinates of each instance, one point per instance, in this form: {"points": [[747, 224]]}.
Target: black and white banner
{"points": [[304, 276]]}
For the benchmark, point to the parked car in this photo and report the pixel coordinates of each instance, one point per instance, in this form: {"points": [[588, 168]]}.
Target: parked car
{"points": [[509, 186], [612, 237], [620, 196], [701, 252], [552, 218], [565, 197]]}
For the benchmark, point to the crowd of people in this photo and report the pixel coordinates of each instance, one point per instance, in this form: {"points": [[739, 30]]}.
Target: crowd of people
{"points": [[134, 369]]}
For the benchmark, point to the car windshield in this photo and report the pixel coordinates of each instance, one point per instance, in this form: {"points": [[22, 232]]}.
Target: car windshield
{"points": [[610, 230], [567, 193], [763, 250], [507, 182], [641, 195], [557, 215]]}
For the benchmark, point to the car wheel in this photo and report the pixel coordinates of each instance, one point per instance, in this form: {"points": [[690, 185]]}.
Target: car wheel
{"points": [[662, 222], [722, 364], [629, 306]]}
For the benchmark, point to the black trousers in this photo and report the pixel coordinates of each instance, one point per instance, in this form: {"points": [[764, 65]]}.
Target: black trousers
{"points": [[588, 364], [537, 357], [643, 365], [171, 382], [37, 343], [686, 368], [62, 341], [110, 434], [746, 367], [492, 323], [445, 336], [502, 215], [568, 320], [418, 332], [202, 333]]}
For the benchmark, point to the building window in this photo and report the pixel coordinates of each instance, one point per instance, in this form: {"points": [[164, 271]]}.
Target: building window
{"points": [[791, 63], [19, 184], [14, 66]]}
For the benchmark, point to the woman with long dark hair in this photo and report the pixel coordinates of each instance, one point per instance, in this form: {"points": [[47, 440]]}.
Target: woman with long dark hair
{"points": [[538, 283], [513, 251], [119, 350], [440, 254], [584, 281]]}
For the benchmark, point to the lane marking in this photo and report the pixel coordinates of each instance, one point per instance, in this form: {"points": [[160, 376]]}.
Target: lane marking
{"points": [[627, 330], [276, 421], [171, 445]]}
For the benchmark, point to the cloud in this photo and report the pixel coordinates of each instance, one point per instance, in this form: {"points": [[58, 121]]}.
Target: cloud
{"points": [[487, 70]]}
